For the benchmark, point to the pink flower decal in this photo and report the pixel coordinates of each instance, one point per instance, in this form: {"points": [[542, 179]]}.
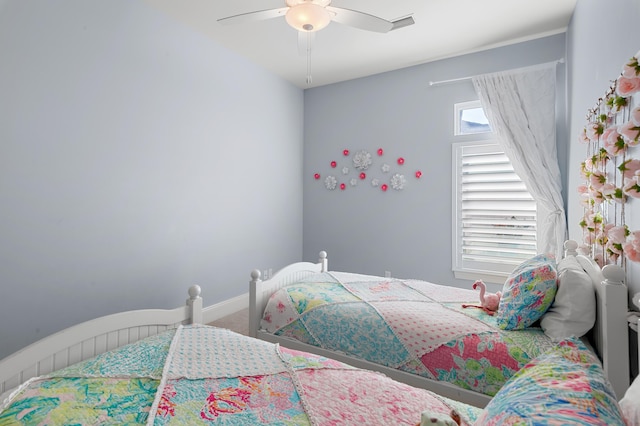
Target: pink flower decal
{"points": [[380, 151], [401, 161], [632, 187], [363, 175], [317, 176], [629, 168], [345, 152], [594, 130], [384, 187], [613, 142], [618, 234], [627, 86], [632, 247], [418, 174], [632, 252], [630, 131], [631, 68], [598, 179], [343, 186], [334, 164], [582, 137]]}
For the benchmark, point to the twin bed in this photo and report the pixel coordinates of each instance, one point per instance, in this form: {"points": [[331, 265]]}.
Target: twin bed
{"points": [[419, 333], [160, 367]]}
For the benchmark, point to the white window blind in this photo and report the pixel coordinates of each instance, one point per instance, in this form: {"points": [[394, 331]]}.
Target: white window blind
{"points": [[495, 228]]}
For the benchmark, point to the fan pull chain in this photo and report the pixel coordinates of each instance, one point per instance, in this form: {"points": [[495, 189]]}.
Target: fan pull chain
{"points": [[309, 79]]}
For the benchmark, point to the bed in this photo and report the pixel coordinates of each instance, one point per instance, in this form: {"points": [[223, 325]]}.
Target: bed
{"points": [[88, 339], [189, 373], [336, 314]]}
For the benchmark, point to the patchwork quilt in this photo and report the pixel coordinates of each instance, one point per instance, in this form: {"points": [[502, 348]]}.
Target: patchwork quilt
{"points": [[206, 375], [410, 325]]}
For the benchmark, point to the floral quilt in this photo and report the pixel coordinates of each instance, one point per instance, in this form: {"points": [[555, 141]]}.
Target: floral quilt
{"points": [[410, 325], [206, 375]]}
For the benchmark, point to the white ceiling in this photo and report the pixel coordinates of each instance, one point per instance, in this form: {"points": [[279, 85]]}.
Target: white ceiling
{"points": [[443, 28]]}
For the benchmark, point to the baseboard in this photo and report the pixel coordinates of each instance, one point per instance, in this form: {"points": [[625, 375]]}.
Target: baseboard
{"points": [[224, 308]]}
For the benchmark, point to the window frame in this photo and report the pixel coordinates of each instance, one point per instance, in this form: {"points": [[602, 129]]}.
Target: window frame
{"points": [[492, 272]]}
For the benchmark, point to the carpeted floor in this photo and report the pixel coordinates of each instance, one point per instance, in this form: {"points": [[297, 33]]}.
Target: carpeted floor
{"points": [[238, 322]]}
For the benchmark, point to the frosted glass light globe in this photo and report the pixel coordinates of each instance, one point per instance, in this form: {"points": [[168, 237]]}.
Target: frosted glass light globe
{"points": [[308, 17]]}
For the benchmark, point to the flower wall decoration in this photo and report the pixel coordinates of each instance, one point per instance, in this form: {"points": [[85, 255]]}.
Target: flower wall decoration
{"points": [[330, 182], [361, 161], [398, 181], [610, 173]]}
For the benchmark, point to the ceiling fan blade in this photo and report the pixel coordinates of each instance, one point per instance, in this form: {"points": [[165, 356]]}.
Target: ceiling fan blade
{"points": [[361, 20], [402, 22], [305, 42], [260, 15]]}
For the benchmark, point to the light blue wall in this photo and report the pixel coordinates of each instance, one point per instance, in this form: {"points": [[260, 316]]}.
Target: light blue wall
{"points": [[602, 37], [136, 158], [406, 232]]}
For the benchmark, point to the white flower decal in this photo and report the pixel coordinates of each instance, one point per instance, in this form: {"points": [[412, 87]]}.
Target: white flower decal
{"points": [[385, 168], [330, 182], [375, 182], [353, 182], [362, 160], [398, 181], [345, 170]]}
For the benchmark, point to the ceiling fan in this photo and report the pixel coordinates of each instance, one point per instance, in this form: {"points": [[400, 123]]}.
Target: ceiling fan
{"points": [[314, 15], [309, 16]]}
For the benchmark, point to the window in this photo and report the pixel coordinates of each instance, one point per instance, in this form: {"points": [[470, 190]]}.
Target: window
{"points": [[495, 216], [470, 119]]}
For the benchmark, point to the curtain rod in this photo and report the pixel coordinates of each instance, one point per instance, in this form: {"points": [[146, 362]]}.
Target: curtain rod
{"points": [[453, 80]]}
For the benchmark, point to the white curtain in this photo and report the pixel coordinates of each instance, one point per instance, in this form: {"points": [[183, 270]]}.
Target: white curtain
{"points": [[521, 108]]}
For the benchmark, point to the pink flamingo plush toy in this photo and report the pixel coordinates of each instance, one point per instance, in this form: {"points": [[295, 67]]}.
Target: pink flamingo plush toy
{"points": [[489, 301]]}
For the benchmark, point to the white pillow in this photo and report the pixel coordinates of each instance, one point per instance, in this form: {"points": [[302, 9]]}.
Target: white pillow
{"points": [[630, 403], [573, 311], [591, 267]]}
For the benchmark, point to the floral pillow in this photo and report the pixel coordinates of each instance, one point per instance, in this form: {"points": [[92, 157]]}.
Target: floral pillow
{"points": [[564, 386], [527, 293]]}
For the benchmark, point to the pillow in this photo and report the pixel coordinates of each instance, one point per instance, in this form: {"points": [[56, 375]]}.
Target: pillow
{"points": [[630, 403], [527, 293], [591, 268], [567, 385], [573, 311]]}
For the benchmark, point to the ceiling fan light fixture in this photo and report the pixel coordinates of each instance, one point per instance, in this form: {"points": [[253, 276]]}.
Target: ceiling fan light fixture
{"points": [[308, 17]]}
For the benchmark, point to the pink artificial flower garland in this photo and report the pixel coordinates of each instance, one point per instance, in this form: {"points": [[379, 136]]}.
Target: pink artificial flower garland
{"points": [[610, 175]]}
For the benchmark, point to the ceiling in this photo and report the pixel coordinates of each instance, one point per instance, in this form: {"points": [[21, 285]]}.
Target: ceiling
{"points": [[442, 29]]}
